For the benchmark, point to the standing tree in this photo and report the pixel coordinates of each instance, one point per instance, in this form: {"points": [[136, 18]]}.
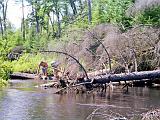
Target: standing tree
{"points": [[73, 6], [23, 20], [1, 27], [23, 24], [89, 11], [3, 8]]}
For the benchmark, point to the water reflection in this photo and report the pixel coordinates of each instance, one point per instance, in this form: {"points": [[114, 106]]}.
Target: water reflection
{"points": [[22, 101]]}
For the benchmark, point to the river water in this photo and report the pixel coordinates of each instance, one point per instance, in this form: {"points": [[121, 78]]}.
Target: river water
{"points": [[23, 101]]}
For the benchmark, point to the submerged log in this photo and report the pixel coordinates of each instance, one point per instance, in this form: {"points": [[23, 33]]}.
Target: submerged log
{"points": [[127, 76]]}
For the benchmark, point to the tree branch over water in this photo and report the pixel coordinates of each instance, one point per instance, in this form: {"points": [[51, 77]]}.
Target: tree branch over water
{"points": [[59, 52]]}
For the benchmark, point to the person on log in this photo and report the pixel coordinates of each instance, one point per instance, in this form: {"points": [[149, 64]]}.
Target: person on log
{"points": [[80, 78], [56, 69], [44, 66], [58, 73], [67, 78]]}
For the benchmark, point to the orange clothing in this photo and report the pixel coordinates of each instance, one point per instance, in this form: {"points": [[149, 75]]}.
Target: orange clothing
{"points": [[44, 66]]}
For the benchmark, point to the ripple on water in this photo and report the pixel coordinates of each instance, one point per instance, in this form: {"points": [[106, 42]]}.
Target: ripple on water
{"points": [[24, 102]]}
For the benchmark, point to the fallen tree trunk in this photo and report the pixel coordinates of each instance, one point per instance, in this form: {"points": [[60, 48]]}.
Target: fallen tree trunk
{"points": [[118, 77], [19, 75], [127, 76]]}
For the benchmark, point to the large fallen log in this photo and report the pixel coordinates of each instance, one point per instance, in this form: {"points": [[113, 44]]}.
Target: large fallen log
{"points": [[19, 75], [118, 77], [127, 76]]}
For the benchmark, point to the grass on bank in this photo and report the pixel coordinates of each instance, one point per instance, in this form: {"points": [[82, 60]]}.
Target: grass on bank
{"points": [[28, 63]]}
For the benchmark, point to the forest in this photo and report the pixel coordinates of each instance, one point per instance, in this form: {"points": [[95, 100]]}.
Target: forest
{"points": [[115, 35]]}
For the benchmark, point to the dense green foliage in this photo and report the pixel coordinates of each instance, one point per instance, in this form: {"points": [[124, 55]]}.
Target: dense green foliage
{"points": [[29, 63], [3, 83], [5, 70], [49, 20], [149, 16], [110, 11]]}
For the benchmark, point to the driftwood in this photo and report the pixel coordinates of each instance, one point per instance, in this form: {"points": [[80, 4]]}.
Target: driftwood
{"points": [[50, 84], [76, 85], [127, 76]]}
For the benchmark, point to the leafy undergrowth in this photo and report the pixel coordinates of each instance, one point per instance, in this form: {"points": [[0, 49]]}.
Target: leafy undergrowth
{"points": [[5, 70], [28, 63], [3, 83]]}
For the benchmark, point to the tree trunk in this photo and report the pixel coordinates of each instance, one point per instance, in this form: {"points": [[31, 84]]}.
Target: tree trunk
{"points": [[4, 17], [4, 12], [37, 18], [52, 23], [66, 15], [58, 22], [73, 6], [37, 23], [19, 75], [1, 27], [23, 24], [89, 12], [127, 77]]}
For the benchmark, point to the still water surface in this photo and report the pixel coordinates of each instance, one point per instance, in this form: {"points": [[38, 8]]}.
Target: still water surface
{"points": [[23, 101]]}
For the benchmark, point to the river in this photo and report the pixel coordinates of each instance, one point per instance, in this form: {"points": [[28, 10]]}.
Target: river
{"points": [[23, 101]]}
